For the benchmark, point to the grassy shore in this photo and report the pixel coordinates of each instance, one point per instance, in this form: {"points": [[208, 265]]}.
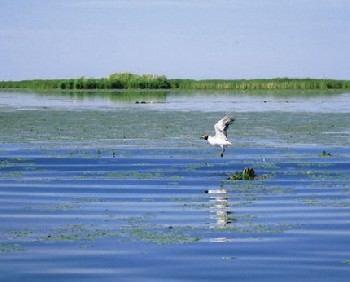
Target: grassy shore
{"points": [[150, 81]]}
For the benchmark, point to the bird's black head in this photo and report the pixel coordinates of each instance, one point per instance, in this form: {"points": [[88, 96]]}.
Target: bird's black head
{"points": [[205, 137]]}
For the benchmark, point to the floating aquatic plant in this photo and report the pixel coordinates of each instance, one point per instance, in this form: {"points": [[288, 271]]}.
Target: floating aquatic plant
{"points": [[79, 232], [169, 235]]}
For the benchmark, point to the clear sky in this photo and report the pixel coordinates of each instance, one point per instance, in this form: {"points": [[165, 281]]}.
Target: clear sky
{"points": [[184, 38]]}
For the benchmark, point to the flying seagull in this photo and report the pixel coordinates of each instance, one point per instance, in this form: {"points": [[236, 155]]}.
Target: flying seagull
{"points": [[220, 138]]}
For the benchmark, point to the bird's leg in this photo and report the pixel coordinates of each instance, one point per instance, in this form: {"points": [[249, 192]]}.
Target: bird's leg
{"points": [[222, 152]]}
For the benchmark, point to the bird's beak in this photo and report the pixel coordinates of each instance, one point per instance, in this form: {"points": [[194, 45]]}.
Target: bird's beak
{"points": [[202, 137]]}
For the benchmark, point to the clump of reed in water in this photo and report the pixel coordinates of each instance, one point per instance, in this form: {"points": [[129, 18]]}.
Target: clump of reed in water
{"points": [[246, 174]]}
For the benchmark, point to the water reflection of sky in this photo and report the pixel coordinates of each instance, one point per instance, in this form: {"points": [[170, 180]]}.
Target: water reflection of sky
{"points": [[179, 101], [219, 207]]}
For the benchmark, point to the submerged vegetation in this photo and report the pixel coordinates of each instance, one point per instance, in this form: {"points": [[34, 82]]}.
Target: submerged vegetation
{"points": [[151, 81]]}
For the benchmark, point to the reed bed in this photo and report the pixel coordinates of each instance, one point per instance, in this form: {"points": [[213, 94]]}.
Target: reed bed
{"points": [[151, 81]]}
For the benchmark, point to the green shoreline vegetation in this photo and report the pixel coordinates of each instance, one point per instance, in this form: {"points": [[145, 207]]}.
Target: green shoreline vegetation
{"points": [[151, 81]]}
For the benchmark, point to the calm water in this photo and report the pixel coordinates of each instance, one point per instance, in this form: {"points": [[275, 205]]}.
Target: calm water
{"points": [[103, 189], [285, 101]]}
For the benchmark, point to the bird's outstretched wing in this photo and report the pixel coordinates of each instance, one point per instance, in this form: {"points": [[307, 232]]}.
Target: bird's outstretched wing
{"points": [[222, 125]]}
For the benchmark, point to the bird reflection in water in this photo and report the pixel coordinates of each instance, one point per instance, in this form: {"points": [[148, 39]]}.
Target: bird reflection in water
{"points": [[219, 207]]}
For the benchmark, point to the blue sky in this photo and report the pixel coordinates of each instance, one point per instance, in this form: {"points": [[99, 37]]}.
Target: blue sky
{"points": [[192, 38]]}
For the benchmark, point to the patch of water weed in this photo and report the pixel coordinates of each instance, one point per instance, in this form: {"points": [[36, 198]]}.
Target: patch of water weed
{"points": [[79, 232], [169, 235], [254, 228], [140, 228], [133, 175], [10, 248], [16, 234]]}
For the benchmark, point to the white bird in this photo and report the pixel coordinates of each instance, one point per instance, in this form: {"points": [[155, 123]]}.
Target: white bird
{"points": [[220, 138]]}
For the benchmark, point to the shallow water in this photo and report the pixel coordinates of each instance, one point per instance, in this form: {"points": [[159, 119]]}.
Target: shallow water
{"points": [[84, 196], [182, 100]]}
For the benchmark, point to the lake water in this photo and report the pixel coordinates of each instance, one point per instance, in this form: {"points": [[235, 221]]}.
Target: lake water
{"points": [[97, 187], [204, 101]]}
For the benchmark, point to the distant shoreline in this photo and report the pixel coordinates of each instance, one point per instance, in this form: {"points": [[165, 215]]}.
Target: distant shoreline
{"points": [[124, 81]]}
